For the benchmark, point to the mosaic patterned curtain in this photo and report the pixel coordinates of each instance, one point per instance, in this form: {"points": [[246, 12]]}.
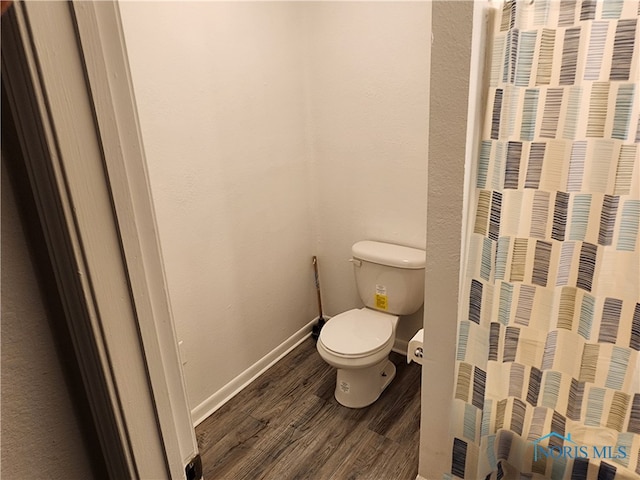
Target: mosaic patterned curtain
{"points": [[548, 361]]}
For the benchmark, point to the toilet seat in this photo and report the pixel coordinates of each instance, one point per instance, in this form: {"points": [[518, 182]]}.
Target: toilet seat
{"points": [[357, 333]]}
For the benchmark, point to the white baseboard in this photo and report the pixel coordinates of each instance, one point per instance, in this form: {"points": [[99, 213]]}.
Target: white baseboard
{"points": [[401, 346], [226, 393]]}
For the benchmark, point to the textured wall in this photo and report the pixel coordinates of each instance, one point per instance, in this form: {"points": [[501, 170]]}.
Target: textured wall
{"points": [[40, 431], [454, 83], [275, 131], [368, 83], [221, 103]]}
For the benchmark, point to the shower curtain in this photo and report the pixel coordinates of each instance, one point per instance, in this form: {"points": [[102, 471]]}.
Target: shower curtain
{"points": [[547, 360]]}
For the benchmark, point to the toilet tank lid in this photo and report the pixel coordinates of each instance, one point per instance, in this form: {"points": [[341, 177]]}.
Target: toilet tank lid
{"points": [[389, 254]]}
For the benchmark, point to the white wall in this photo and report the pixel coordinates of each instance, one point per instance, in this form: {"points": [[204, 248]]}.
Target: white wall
{"points": [[368, 72], [275, 131], [455, 89], [220, 98]]}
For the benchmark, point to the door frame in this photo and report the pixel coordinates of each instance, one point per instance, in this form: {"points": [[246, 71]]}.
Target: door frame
{"points": [[68, 85]]}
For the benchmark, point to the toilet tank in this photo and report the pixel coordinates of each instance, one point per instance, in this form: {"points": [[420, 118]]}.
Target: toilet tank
{"points": [[389, 277]]}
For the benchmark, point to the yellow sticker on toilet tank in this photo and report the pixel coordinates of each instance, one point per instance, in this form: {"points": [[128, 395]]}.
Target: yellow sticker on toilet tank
{"points": [[381, 297], [381, 302]]}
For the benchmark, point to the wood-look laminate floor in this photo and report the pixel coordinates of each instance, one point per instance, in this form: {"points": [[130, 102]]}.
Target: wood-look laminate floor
{"points": [[288, 425]]}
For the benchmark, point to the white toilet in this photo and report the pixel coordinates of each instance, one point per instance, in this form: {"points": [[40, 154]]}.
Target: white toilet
{"points": [[390, 280]]}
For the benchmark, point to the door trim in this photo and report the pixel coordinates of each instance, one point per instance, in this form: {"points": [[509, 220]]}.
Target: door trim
{"points": [[65, 72]]}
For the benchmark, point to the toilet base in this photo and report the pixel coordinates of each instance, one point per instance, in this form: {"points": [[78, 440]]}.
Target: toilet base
{"points": [[360, 387]]}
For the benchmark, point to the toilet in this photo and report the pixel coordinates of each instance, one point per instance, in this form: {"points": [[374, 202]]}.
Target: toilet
{"points": [[390, 281]]}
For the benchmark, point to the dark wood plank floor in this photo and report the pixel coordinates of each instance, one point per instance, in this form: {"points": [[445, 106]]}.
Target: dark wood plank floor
{"points": [[288, 425]]}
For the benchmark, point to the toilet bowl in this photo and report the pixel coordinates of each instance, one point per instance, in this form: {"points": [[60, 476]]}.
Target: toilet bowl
{"points": [[390, 281], [357, 343]]}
